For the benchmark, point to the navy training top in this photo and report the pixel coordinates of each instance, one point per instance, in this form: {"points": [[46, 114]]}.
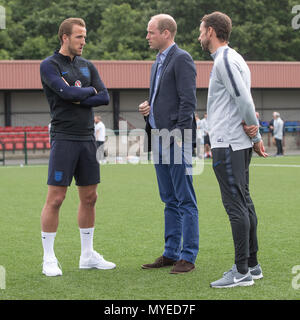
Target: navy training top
{"points": [[72, 101]]}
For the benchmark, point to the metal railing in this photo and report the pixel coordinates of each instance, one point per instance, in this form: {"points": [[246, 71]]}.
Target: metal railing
{"points": [[33, 147], [2, 159], [20, 144]]}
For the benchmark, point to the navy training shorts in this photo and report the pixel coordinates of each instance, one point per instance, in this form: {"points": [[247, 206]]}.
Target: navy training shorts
{"points": [[70, 159]]}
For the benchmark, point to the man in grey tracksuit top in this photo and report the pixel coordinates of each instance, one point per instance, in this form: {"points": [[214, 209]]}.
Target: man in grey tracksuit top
{"points": [[233, 131], [230, 101]]}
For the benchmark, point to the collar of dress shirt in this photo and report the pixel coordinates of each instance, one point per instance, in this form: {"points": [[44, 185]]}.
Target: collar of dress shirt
{"points": [[162, 55]]}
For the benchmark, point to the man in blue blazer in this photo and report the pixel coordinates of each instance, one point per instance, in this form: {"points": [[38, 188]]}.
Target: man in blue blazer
{"points": [[170, 126]]}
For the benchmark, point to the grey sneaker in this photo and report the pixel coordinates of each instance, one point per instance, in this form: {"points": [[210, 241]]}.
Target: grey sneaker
{"points": [[256, 272], [233, 278]]}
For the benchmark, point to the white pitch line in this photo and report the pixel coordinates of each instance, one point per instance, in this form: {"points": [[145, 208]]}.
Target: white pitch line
{"points": [[276, 165], [24, 166], [205, 163], [268, 165]]}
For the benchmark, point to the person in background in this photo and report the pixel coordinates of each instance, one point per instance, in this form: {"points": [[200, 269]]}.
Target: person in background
{"points": [[100, 137], [199, 136], [259, 123], [204, 125], [271, 128], [278, 133]]}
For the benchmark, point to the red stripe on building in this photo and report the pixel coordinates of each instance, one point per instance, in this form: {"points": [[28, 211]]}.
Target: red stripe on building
{"points": [[25, 74]]}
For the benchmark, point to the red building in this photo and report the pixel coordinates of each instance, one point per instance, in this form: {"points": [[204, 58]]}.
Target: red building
{"points": [[275, 87]]}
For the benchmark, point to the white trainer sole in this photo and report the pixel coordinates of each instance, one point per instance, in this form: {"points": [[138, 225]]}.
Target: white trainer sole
{"points": [[257, 277], [97, 267], [238, 284], [52, 274]]}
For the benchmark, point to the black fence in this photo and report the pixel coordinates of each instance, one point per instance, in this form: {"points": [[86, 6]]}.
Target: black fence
{"points": [[23, 140]]}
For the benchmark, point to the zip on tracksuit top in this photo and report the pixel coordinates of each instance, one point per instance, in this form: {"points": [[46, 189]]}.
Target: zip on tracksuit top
{"points": [[71, 103], [230, 101]]}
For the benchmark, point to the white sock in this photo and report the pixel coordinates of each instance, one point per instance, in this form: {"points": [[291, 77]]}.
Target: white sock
{"points": [[48, 244], [86, 237]]}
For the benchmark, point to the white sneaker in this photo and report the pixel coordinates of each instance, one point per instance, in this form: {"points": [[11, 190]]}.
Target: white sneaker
{"points": [[95, 260], [51, 268]]}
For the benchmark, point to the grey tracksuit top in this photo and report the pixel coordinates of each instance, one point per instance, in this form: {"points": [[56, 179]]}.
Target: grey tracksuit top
{"points": [[230, 101]]}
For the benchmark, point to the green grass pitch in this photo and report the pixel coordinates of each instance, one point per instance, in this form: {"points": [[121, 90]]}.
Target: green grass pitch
{"points": [[129, 231]]}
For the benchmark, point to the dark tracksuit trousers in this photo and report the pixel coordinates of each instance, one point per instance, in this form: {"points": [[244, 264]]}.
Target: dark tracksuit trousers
{"points": [[232, 171], [279, 146]]}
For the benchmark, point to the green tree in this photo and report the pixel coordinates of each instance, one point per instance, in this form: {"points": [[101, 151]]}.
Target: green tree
{"points": [[35, 48], [122, 33], [261, 28], [116, 29], [6, 43]]}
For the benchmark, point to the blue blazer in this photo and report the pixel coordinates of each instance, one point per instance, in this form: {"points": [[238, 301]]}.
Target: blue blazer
{"points": [[175, 101]]}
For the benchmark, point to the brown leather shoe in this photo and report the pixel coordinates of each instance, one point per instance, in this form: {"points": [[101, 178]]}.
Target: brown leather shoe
{"points": [[182, 266], [160, 262]]}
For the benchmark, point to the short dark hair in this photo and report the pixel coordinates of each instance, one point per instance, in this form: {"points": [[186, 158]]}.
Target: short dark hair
{"points": [[67, 25], [220, 22]]}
